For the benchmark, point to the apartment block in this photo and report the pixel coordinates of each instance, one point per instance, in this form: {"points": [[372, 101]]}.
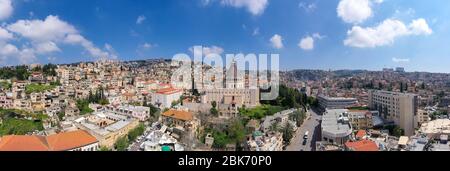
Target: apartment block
{"points": [[400, 108]]}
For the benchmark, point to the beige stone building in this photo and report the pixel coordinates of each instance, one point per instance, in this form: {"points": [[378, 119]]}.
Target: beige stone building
{"points": [[400, 108], [360, 119], [423, 116], [107, 127]]}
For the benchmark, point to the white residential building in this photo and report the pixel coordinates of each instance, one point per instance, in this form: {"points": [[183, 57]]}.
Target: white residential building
{"points": [[336, 128], [163, 98], [326, 102], [139, 112]]}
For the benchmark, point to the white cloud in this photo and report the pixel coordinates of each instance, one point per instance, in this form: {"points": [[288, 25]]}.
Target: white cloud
{"points": [[46, 47], [317, 36], [147, 45], [140, 19], [255, 32], [111, 51], [6, 9], [354, 11], [8, 50], [307, 7], [205, 2], [385, 33], [208, 50], [419, 27], [27, 56], [43, 36], [307, 43], [255, 7], [50, 29], [378, 1], [277, 41], [5, 34], [51, 58], [400, 60]]}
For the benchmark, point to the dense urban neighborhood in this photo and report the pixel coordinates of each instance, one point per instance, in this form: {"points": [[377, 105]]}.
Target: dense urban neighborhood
{"points": [[136, 106], [224, 75]]}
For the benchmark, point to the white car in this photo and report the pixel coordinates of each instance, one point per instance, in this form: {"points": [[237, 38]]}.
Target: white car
{"points": [[306, 135]]}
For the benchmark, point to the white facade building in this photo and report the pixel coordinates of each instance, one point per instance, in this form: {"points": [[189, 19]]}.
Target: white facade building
{"points": [[326, 102], [139, 112], [336, 128], [163, 98]]}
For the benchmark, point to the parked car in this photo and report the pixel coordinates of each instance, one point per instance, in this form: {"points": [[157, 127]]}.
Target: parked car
{"points": [[306, 135]]}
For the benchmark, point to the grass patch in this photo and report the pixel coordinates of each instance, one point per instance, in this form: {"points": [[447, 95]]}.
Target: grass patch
{"points": [[19, 122], [13, 126], [261, 111], [38, 88]]}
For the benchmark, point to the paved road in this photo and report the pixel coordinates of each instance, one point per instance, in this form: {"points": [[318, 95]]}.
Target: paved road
{"points": [[311, 125], [136, 145]]}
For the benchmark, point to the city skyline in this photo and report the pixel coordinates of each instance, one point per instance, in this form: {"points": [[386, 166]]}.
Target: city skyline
{"points": [[366, 34]]}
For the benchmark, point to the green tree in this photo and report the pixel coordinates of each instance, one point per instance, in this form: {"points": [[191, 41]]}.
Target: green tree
{"points": [[237, 131], [21, 72], [61, 115], [214, 112], [83, 106], [398, 131], [154, 111], [103, 148], [121, 144], [220, 139], [274, 127], [299, 117], [49, 70], [136, 132], [288, 133], [213, 109]]}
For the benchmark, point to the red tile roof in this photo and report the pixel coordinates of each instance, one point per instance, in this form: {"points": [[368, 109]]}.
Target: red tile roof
{"points": [[360, 134], [167, 91], [363, 145], [181, 115], [23, 143], [58, 142], [70, 140]]}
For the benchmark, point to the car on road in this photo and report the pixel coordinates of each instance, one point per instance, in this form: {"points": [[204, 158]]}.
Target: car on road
{"points": [[306, 135], [305, 141]]}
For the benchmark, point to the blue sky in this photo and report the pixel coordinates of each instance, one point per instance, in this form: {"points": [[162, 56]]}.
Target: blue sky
{"points": [[308, 34]]}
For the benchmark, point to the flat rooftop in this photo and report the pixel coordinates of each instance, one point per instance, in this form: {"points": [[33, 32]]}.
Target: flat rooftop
{"points": [[436, 126], [332, 124], [337, 98]]}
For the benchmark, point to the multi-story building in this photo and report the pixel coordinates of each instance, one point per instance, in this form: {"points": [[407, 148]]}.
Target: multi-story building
{"points": [[326, 102], [360, 119], [177, 118], [139, 112], [400, 108], [6, 102], [163, 98], [423, 116], [107, 127], [335, 127]]}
